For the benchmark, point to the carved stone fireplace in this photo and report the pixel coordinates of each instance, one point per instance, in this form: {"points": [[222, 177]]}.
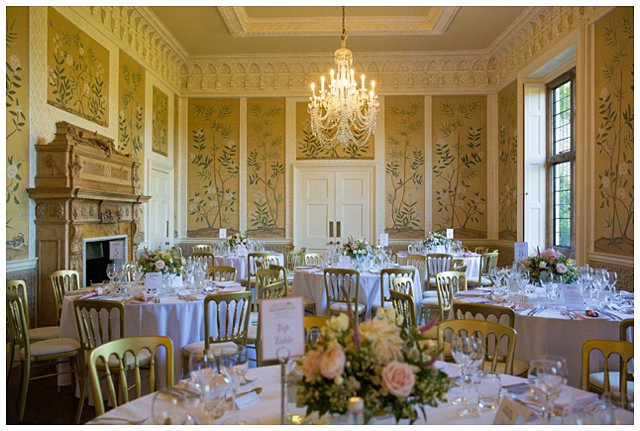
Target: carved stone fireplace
{"points": [[84, 188]]}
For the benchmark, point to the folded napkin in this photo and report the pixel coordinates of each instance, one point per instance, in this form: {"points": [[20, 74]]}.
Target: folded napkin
{"points": [[230, 289], [471, 293], [227, 283]]}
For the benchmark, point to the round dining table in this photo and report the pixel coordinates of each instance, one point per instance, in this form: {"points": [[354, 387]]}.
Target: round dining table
{"points": [[266, 411], [240, 263], [553, 331], [471, 260], [309, 283]]}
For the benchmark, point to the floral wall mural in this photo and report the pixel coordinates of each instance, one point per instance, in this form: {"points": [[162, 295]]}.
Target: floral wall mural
{"points": [[508, 162], [309, 148], [213, 167], [404, 166], [78, 70], [265, 167], [160, 123], [17, 130], [459, 165], [614, 133], [131, 88]]}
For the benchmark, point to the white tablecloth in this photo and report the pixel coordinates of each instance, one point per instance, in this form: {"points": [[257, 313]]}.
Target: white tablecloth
{"points": [[472, 261], [267, 410], [240, 263], [309, 283], [549, 332]]}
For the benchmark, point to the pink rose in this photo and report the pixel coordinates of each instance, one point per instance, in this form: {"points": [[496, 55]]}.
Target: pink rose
{"points": [[159, 264], [332, 362], [310, 364], [398, 378], [561, 268]]}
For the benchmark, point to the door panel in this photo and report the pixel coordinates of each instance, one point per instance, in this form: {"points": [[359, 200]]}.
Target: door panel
{"points": [[316, 208], [159, 209], [353, 203]]}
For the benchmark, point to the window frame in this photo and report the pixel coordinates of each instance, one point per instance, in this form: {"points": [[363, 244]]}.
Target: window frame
{"points": [[552, 160]]}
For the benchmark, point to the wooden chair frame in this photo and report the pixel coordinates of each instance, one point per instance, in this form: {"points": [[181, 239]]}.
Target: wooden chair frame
{"points": [[460, 310], [340, 284], [403, 304], [607, 347], [387, 275], [201, 248], [63, 281], [436, 263], [221, 273], [312, 259]]}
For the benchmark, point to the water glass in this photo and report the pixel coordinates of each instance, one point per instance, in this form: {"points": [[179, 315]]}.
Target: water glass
{"points": [[169, 408], [489, 390], [547, 375], [468, 352]]}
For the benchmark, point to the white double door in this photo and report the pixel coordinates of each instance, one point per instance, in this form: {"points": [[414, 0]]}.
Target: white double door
{"points": [[332, 204], [160, 207]]}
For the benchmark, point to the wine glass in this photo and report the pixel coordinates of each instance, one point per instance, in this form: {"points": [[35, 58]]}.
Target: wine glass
{"points": [[169, 408], [547, 375], [212, 386], [234, 366], [111, 273], [546, 280], [467, 351]]}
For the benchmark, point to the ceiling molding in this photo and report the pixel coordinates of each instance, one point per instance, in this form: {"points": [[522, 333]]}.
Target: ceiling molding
{"points": [[162, 30], [240, 24]]}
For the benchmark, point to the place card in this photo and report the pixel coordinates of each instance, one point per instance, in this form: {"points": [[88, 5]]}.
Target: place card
{"points": [[247, 400], [282, 326], [383, 241], [116, 250], [511, 412], [573, 297], [450, 233], [222, 233], [153, 280], [520, 251]]}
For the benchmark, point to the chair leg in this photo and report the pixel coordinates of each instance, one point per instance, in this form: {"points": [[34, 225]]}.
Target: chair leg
{"points": [[82, 376], [10, 363], [24, 388]]}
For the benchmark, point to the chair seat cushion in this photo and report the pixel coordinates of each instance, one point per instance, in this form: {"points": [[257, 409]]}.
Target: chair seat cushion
{"points": [[44, 333], [216, 348], [520, 367], [54, 346], [429, 293], [342, 307], [597, 380], [430, 300]]}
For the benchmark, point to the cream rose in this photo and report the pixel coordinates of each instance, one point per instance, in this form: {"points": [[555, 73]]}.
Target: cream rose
{"points": [[398, 378], [561, 268], [310, 364], [159, 265], [332, 362]]}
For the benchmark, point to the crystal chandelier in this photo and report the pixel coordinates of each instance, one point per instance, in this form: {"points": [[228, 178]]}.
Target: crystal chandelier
{"points": [[343, 113]]}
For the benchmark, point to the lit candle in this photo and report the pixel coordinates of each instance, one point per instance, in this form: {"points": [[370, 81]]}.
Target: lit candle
{"points": [[362, 78], [313, 88], [322, 82], [352, 79]]}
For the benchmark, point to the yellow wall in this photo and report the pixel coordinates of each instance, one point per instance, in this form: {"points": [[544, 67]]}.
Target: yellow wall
{"points": [[507, 162]]}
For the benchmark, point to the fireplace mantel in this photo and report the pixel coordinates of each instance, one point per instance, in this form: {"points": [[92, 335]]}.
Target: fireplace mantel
{"points": [[84, 188]]}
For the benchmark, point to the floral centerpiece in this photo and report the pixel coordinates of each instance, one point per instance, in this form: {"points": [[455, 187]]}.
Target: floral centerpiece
{"points": [[434, 239], [164, 261], [357, 248], [389, 366], [239, 238], [552, 261]]}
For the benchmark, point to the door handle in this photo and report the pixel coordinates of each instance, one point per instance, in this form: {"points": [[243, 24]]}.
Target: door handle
{"points": [[338, 229], [330, 229], [167, 236]]}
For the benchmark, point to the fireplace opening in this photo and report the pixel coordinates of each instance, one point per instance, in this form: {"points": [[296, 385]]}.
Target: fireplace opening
{"points": [[98, 253]]}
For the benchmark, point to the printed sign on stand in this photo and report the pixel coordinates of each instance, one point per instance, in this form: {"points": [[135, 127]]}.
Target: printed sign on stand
{"points": [[384, 240], [222, 233], [116, 250], [450, 233], [282, 326], [520, 251]]}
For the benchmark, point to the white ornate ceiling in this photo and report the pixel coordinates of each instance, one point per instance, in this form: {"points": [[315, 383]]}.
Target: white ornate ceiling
{"points": [[244, 30]]}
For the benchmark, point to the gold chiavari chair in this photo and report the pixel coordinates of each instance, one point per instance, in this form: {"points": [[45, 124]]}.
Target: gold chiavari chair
{"points": [[499, 341], [35, 334], [387, 275], [488, 261], [341, 288], [607, 381], [459, 265], [437, 262], [202, 248], [125, 351], [492, 313], [481, 250], [63, 281], [626, 330], [231, 318], [448, 283], [314, 322], [313, 259], [39, 353], [270, 285], [204, 258], [419, 262], [221, 273], [403, 305]]}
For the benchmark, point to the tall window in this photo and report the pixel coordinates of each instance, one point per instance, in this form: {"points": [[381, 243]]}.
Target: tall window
{"points": [[560, 164]]}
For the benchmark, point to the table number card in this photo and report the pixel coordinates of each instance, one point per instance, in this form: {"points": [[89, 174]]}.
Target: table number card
{"points": [[222, 233], [282, 323], [450, 233], [153, 280], [520, 251], [573, 297], [116, 250], [384, 240]]}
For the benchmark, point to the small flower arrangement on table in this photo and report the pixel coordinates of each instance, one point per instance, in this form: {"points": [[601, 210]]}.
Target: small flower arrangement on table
{"points": [[239, 238], [434, 239], [389, 366], [552, 261], [357, 248], [164, 261]]}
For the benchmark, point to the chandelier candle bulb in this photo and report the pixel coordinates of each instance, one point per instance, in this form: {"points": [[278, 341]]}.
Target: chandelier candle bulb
{"points": [[362, 78], [322, 84]]}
